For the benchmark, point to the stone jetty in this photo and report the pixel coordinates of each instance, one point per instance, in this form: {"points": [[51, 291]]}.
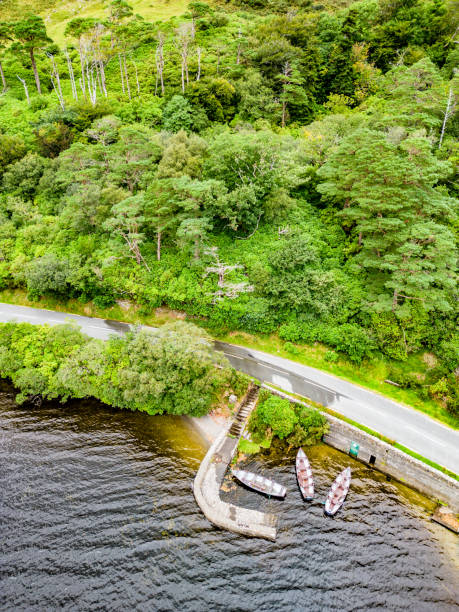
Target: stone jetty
{"points": [[210, 476]]}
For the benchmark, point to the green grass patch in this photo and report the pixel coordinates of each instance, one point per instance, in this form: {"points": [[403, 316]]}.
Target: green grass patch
{"points": [[440, 468], [151, 10], [248, 447]]}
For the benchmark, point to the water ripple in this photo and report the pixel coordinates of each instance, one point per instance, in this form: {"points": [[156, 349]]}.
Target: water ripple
{"points": [[97, 514]]}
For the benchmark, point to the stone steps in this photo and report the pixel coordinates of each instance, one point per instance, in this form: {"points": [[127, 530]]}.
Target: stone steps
{"points": [[238, 424]]}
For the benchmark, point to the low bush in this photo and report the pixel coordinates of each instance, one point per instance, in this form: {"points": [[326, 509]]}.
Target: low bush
{"points": [[297, 425], [348, 338]]}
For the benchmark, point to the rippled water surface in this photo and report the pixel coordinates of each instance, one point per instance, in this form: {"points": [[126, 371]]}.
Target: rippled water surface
{"points": [[97, 513]]}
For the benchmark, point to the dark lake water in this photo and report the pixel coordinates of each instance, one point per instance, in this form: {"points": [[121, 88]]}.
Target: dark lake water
{"points": [[97, 513]]}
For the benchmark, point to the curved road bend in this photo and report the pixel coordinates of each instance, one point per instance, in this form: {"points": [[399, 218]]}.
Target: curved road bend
{"points": [[407, 426]]}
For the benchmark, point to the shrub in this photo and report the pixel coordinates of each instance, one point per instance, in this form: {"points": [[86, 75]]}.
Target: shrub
{"points": [[291, 331], [312, 425], [291, 348], [53, 138], [350, 339], [296, 424], [446, 389], [11, 149], [275, 414], [178, 115], [449, 351], [47, 274], [389, 336]]}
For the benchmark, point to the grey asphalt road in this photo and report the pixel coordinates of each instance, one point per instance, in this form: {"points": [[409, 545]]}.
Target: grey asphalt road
{"points": [[405, 425]]}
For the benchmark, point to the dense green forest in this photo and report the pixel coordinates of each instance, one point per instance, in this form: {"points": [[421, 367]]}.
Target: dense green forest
{"points": [[262, 166]]}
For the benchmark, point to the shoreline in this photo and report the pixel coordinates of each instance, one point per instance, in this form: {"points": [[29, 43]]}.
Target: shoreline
{"points": [[210, 426]]}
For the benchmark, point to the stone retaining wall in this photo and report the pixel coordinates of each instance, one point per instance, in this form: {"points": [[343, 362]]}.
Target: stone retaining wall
{"points": [[389, 460]]}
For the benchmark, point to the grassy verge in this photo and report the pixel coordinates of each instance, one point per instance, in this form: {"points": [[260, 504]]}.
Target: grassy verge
{"points": [[427, 461], [370, 375]]}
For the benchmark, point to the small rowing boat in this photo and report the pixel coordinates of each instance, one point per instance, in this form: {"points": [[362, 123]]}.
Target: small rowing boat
{"points": [[338, 492], [260, 483], [304, 475]]}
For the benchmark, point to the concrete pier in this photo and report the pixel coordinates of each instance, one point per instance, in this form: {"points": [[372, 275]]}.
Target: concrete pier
{"points": [[206, 490], [210, 476]]}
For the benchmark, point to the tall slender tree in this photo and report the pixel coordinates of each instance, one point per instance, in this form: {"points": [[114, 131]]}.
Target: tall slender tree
{"points": [[30, 32], [292, 89], [159, 59]]}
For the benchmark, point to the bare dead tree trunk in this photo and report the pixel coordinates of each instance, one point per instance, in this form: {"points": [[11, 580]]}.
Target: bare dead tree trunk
{"points": [[226, 289], [98, 76], [158, 246], [91, 84], [284, 112], [25, 88], [102, 78], [35, 71], [159, 57], [71, 74], [58, 93], [198, 75], [450, 106], [82, 63], [56, 81], [121, 72], [239, 47], [126, 77], [183, 78], [136, 76], [286, 73], [183, 37], [98, 32], [193, 28], [2, 76], [134, 247]]}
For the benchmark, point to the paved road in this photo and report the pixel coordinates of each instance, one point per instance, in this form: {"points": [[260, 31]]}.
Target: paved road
{"points": [[407, 426]]}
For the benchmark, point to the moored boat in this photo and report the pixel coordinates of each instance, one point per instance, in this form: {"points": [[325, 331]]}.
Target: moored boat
{"points": [[260, 483], [304, 475], [338, 492]]}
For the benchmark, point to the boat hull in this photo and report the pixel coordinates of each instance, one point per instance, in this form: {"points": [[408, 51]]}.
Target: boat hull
{"points": [[304, 475], [338, 492], [260, 484]]}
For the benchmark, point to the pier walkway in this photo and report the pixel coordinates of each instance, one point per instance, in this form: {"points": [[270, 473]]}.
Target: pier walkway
{"points": [[210, 476]]}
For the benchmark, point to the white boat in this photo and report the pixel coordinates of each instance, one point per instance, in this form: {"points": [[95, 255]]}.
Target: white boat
{"points": [[260, 483], [338, 492], [304, 475]]}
